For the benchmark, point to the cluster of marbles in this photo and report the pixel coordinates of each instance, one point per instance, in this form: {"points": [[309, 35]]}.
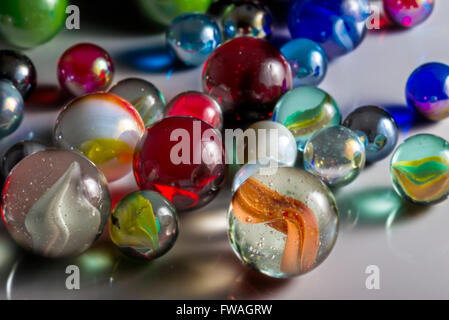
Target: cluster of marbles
{"points": [[55, 203], [182, 158], [408, 13], [335, 154], [376, 128], [192, 37], [26, 24], [307, 60], [304, 111], [18, 69], [85, 68], [198, 105], [144, 224], [427, 90], [11, 108], [420, 169], [144, 96], [247, 76], [283, 224], [339, 26], [103, 127]]}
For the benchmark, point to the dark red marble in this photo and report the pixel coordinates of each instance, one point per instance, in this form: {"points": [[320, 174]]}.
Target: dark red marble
{"points": [[192, 182], [247, 76]]}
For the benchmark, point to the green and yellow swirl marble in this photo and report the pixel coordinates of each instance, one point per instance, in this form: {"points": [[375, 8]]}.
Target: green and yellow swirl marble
{"points": [[103, 150]]}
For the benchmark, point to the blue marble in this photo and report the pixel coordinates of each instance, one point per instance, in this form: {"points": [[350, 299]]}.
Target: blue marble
{"points": [[427, 90], [11, 108], [307, 60], [339, 26], [192, 37]]}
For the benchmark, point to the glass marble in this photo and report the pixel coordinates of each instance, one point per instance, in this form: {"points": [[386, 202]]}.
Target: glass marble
{"points": [[103, 127], [408, 13], [339, 26], [11, 108], [247, 76], [427, 90], [266, 141], [284, 224], [144, 225], [189, 167], [85, 68], [377, 130], [192, 37], [420, 169], [26, 24], [144, 96], [198, 105], [55, 203], [304, 111], [307, 60], [164, 11], [18, 69], [336, 155]]}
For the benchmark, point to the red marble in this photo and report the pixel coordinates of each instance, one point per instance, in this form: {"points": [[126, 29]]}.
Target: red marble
{"points": [[247, 76], [189, 177]]}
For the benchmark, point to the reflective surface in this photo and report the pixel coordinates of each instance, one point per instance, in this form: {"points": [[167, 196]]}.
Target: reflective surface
{"points": [[283, 225], [306, 110], [408, 13], [336, 155], [144, 96], [18, 69], [85, 68], [377, 130], [192, 37], [105, 128], [11, 108], [420, 169], [55, 203], [427, 90]]}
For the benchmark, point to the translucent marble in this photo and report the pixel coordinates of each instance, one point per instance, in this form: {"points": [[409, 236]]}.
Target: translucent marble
{"points": [[192, 37], [376, 128], [26, 24], [336, 155], [19, 69], [11, 108], [55, 203], [304, 111], [339, 26], [105, 128], [144, 225], [144, 96], [420, 169], [198, 105], [408, 13], [307, 60], [427, 90], [266, 141], [283, 225], [85, 68]]}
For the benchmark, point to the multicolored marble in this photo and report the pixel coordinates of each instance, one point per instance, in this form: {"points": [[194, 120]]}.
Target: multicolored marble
{"points": [[339, 26], [85, 68], [336, 155], [55, 203], [307, 60], [144, 96], [247, 76], [11, 108], [376, 128], [144, 225], [189, 167], [420, 169], [427, 90], [19, 69], [198, 105], [192, 37], [408, 13], [304, 111], [284, 224], [26, 24], [103, 127]]}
